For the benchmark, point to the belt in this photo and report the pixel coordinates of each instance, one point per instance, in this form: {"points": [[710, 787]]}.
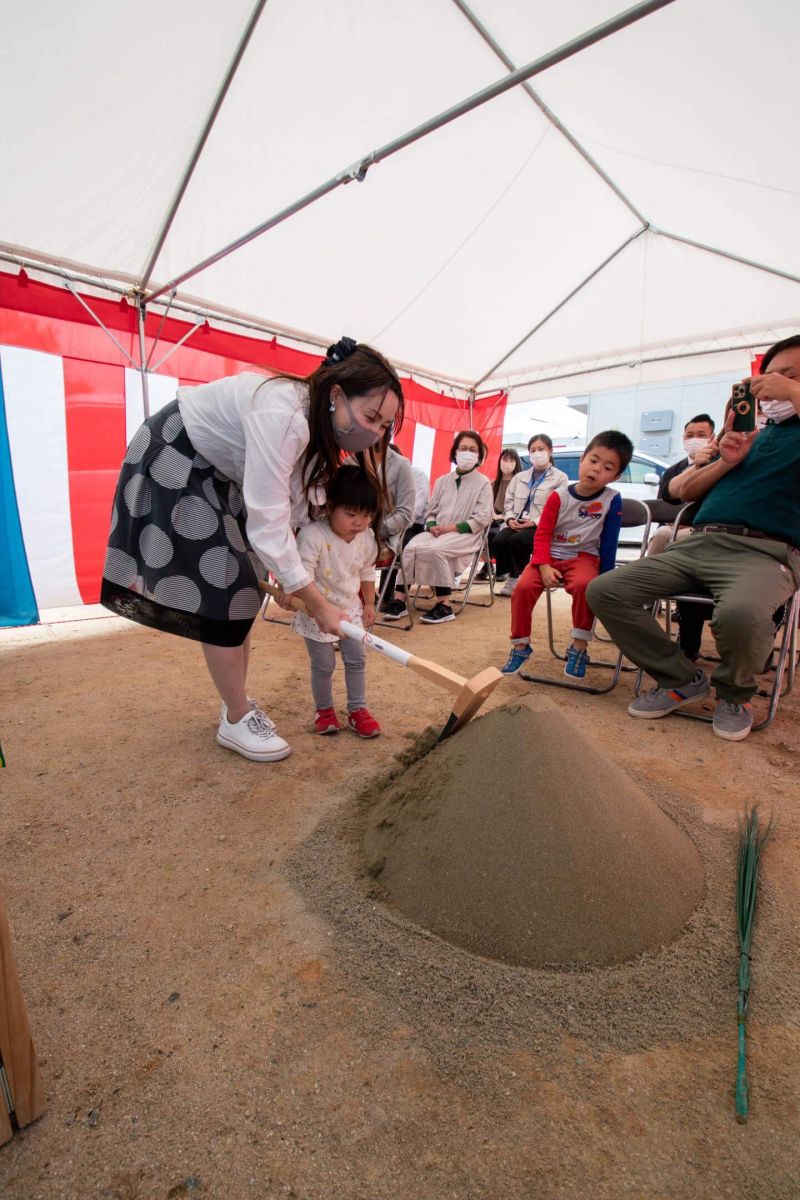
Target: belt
{"points": [[743, 531]]}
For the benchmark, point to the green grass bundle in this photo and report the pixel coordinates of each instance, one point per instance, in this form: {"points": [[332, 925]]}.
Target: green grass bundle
{"points": [[752, 840]]}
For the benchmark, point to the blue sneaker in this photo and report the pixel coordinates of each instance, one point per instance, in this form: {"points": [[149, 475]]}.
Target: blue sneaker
{"points": [[576, 662], [517, 658]]}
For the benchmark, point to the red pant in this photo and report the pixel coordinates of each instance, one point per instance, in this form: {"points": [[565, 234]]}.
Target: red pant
{"points": [[578, 573]]}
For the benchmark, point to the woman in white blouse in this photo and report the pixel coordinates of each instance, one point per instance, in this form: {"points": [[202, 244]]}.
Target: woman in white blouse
{"points": [[459, 511], [211, 491]]}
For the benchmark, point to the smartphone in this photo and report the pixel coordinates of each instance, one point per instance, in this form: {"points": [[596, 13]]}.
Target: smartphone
{"points": [[744, 408]]}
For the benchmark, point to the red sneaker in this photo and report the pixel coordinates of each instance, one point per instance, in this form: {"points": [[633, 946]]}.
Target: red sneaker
{"points": [[326, 721], [362, 722]]}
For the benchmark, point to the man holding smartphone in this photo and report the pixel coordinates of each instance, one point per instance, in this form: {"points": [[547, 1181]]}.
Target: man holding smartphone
{"points": [[744, 550]]}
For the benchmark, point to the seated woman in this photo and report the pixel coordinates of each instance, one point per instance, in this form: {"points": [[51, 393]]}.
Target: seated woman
{"points": [[508, 466], [525, 500], [460, 510]]}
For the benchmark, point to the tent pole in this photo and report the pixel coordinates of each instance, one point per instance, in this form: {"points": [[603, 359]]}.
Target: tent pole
{"points": [[177, 346], [746, 347], [737, 258], [559, 306], [481, 29], [201, 141], [359, 169], [141, 310], [94, 316]]}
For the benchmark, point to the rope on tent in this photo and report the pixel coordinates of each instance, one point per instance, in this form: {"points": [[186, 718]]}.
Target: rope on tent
{"points": [[470, 235]]}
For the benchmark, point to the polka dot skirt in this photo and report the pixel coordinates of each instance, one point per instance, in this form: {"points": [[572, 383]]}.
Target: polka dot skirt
{"points": [[178, 557]]}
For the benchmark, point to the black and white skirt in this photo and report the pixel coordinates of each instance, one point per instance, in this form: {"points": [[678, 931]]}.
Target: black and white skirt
{"points": [[178, 557]]}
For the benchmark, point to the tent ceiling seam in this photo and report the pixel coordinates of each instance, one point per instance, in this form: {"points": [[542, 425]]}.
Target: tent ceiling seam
{"points": [[199, 146], [548, 113]]}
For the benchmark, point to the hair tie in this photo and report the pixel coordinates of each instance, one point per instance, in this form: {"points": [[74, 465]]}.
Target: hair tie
{"points": [[339, 351]]}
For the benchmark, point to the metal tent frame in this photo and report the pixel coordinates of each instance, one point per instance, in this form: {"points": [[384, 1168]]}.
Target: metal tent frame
{"points": [[143, 294]]}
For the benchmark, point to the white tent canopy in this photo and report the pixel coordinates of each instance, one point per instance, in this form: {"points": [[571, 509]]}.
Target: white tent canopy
{"points": [[650, 217]]}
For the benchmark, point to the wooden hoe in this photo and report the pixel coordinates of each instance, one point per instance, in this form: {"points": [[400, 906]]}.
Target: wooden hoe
{"points": [[469, 693]]}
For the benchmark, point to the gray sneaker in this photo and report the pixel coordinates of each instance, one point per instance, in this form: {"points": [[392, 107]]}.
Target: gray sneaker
{"points": [[732, 721], [660, 702]]}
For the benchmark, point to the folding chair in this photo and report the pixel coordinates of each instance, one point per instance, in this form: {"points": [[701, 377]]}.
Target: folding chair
{"points": [[390, 562], [634, 512], [458, 605], [787, 650], [481, 553], [286, 619]]}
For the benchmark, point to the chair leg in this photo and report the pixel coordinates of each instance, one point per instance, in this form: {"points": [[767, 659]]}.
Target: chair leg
{"points": [[483, 550], [615, 666], [274, 620], [396, 565]]}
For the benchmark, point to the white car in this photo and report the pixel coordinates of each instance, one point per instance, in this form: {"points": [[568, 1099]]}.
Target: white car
{"points": [[639, 481]]}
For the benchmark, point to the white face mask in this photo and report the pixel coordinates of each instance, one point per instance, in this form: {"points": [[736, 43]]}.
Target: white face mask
{"points": [[540, 459], [506, 468], [693, 444], [777, 410], [466, 460]]}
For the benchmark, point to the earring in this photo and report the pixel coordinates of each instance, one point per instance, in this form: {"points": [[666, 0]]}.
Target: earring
{"points": [[331, 405]]}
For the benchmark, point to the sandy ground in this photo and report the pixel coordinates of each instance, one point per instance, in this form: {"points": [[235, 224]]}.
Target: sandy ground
{"points": [[222, 1009]]}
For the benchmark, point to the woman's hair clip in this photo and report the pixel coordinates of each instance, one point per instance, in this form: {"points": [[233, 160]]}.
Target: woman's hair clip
{"points": [[339, 351]]}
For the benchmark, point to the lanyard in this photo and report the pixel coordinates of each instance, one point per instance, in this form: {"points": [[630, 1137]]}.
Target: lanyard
{"points": [[532, 486]]}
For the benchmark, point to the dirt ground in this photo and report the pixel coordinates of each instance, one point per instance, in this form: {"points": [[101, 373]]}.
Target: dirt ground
{"points": [[223, 1008]]}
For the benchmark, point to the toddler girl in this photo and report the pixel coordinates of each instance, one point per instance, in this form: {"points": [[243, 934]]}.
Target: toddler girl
{"points": [[339, 552]]}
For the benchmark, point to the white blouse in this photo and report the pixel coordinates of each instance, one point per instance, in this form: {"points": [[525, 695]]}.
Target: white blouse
{"points": [[338, 568], [254, 430]]}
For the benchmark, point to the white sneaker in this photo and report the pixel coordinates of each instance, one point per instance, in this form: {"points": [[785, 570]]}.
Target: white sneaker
{"points": [[223, 708], [508, 587], [255, 737]]}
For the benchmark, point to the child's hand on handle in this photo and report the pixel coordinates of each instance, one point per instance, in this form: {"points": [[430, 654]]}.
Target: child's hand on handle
{"points": [[551, 576], [327, 615], [368, 615]]}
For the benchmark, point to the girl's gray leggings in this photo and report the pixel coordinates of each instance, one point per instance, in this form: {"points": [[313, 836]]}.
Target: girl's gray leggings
{"points": [[323, 662]]}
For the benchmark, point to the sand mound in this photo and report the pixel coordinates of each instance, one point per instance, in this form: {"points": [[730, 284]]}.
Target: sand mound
{"points": [[520, 840]]}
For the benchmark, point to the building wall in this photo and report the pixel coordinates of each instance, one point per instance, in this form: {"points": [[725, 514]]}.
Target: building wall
{"points": [[624, 408]]}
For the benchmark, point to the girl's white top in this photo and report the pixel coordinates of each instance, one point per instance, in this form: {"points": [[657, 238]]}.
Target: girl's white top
{"points": [[338, 568], [254, 430]]}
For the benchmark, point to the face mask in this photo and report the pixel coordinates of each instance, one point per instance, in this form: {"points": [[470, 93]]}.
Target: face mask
{"points": [[693, 444], [777, 410], [506, 467], [356, 436], [466, 460], [540, 459]]}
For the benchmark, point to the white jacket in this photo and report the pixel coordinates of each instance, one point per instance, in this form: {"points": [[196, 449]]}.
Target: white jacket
{"points": [[517, 494]]}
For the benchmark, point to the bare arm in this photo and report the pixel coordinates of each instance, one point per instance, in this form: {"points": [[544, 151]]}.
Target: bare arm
{"points": [[695, 482], [702, 459], [734, 448]]}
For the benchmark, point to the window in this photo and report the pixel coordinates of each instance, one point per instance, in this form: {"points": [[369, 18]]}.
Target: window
{"points": [[568, 463], [639, 467]]}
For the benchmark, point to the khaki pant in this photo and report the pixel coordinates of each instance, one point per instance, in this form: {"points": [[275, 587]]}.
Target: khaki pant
{"points": [[748, 578]]}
